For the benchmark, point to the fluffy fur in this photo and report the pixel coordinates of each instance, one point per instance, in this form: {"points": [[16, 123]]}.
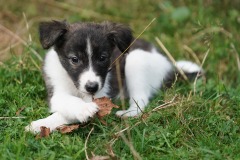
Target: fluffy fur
{"points": [[76, 69]]}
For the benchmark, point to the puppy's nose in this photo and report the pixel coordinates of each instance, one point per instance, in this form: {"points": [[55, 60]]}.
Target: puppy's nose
{"points": [[91, 87]]}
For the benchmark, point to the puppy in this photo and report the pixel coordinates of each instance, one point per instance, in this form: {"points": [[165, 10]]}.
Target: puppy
{"points": [[77, 68]]}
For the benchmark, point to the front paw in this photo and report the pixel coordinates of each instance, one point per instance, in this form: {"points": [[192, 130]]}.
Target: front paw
{"points": [[87, 111], [52, 122], [34, 127]]}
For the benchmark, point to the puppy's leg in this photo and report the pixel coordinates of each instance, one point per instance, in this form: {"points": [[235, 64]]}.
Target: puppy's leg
{"points": [[72, 108], [139, 91], [145, 72], [66, 109], [52, 122]]}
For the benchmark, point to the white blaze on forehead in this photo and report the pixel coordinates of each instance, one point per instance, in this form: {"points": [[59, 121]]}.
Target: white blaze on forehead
{"points": [[89, 75], [89, 52]]}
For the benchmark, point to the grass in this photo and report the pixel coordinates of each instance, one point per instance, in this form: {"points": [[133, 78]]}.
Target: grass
{"points": [[200, 125]]}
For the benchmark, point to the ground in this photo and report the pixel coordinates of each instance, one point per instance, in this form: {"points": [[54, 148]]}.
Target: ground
{"points": [[188, 121]]}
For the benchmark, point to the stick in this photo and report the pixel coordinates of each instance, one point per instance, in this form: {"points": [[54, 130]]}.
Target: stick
{"points": [[134, 152], [27, 26], [193, 54], [171, 58], [195, 81], [85, 145], [133, 41], [237, 55], [12, 117], [165, 105]]}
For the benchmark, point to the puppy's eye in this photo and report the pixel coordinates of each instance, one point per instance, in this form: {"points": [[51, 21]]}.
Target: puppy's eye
{"points": [[74, 60], [102, 58]]}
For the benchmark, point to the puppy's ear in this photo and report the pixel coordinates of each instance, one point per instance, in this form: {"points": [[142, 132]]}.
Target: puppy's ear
{"points": [[120, 35], [51, 32]]}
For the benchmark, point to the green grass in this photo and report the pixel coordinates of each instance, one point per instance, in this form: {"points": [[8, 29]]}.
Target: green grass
{"points": [[204, 125]]}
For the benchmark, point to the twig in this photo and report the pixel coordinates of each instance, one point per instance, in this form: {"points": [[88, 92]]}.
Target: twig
{"points": [[117, 133], [133, 41], [123, 130], [138, 105], [189, 95], [22, 41], [237, 55], [27, 26], [122, 99], [128, 143], [192, 53], [85, 145], [165, 105], [120, 82], [12, 117], [127, 128], [119, 74], [35, 63], [195, 81], [120, 85], [171, 58], [132, 149]]}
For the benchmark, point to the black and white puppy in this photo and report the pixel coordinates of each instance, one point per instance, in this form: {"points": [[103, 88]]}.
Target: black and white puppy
{"points": [[76, 69]]}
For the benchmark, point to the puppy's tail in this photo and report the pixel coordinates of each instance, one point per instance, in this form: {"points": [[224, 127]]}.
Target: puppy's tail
{"points": [[190, 69]]}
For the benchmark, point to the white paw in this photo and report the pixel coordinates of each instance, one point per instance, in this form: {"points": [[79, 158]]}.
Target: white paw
{"points": [[128, 113], [52, 122], [86, 112], [34, 126]]}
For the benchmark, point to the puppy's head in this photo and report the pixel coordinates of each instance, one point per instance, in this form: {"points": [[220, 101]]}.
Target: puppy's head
{"points": [[85, 49]]}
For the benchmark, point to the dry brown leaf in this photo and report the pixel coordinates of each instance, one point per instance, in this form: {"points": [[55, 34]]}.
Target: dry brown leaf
{"points": [[105, 106], [45, 132], [68, 128]]}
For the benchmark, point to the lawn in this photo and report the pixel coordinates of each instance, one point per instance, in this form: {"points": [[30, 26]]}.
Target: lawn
{"points": [[188, 121]]}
